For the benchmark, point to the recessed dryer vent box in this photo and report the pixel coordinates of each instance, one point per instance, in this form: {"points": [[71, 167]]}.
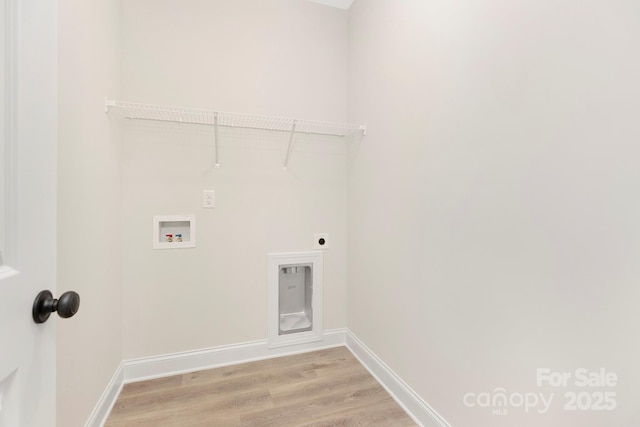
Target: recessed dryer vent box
{"points": [[295, 298], [174, 231]]}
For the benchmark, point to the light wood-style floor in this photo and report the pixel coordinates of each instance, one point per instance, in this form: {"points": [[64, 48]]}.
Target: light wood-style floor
{"points": [[323, 388]]}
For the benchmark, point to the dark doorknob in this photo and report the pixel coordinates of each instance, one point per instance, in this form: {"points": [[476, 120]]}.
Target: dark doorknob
{"points": [[66, 306]]}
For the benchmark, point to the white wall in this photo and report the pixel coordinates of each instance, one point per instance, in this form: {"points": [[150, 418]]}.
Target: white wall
{"points": [[89, 204], [276, 57], [493, 207]]}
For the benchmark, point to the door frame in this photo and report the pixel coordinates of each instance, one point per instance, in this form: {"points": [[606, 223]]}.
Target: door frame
{"points": [[9, 16], [29, 61]]}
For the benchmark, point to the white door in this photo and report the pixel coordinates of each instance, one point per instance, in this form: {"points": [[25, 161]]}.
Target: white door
{"points": [[28, 129]]}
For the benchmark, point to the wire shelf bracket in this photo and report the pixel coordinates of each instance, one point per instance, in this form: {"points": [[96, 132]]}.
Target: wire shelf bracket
{"points": [[138, 111], [291, 136], [215, 139]]}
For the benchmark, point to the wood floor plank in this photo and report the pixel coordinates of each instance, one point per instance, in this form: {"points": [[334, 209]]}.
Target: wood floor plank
{"points": [[223, 411], [150, 386], [328, 405], [322, 388]]}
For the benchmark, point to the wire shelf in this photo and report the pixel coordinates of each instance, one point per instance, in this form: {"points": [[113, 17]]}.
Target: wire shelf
{"points": [[139, 111]]}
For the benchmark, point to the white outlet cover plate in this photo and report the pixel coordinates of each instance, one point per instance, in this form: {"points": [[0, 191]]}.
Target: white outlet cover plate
{"points": [[340, 4], [208, 199], [316, 240]]}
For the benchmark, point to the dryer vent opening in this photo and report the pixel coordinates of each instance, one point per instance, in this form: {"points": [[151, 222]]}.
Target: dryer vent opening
{"points": [[295, 309], [295, 298]]}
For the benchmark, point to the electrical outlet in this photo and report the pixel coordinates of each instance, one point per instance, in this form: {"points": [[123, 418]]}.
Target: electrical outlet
{"points": [[208, 199], [321, 241]]}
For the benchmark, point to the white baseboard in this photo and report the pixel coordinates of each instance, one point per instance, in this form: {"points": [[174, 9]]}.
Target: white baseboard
{"points": [[418, 409], [189, 361], [107, 400]]}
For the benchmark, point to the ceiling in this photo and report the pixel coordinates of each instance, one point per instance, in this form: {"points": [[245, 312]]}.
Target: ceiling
{"points": [[340, 4]]}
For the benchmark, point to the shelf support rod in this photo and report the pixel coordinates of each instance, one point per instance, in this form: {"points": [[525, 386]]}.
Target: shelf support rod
{"points": [[108, 103], [215, 137], [293, 132]]}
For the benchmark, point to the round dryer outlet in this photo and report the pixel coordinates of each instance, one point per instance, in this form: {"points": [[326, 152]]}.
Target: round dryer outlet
{"points": [[321, 241]]}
